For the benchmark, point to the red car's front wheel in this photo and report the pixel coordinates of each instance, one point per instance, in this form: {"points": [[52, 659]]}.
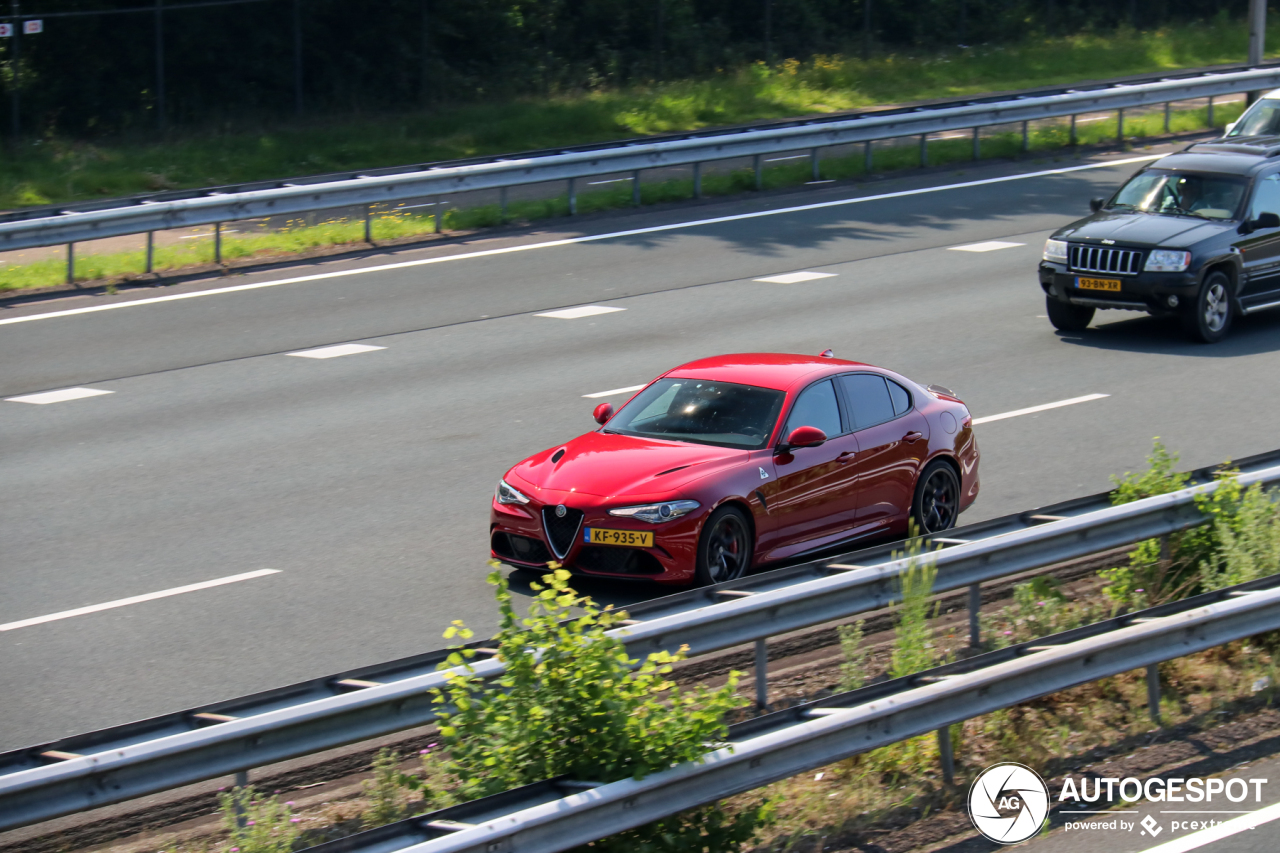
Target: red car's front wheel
{"points": [[724, 549], [937, 500]]}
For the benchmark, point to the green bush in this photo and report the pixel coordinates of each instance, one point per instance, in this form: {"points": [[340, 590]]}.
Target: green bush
{"points": [[269, 825]]}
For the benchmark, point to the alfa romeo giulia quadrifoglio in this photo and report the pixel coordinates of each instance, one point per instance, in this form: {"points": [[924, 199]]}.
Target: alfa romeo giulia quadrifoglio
{"points": [[739, 461]]}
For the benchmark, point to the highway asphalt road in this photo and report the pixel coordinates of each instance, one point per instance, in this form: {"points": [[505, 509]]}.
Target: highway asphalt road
{"points": [[364, 479]]}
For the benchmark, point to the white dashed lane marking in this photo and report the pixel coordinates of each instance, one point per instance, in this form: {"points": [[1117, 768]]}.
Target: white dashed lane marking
{"points": [[62, 396], [580, 311], [989, 246], [795, 277], [1033, 409], [630, 389], [335, 351], [136, 599]]}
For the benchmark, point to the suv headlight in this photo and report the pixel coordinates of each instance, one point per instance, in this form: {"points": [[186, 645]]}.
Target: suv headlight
{"points": [[1056, 251], [656, 513], [507, 495], [1167, 260]]}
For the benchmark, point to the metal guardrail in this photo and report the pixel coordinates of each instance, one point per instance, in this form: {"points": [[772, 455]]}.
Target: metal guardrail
{"points": [[562, 814], [291, 723], [149, 214]]}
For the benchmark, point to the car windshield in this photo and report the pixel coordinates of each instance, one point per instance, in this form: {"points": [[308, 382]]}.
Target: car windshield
{"points": [[701, 411], [1261, 119], [1181, 194]]}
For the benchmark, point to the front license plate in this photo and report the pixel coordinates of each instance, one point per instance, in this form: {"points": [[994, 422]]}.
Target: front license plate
{"points": [[1098, 283], [625, 538]]}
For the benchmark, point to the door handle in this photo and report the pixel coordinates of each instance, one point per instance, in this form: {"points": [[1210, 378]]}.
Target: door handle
{"points": [[913, 437], [847, 456]]}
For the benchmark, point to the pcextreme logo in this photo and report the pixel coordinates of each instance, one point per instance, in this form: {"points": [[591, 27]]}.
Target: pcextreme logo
{"points": [[1008, 803]]}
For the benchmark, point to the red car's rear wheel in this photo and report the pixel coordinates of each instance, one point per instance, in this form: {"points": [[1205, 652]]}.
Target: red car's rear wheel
{"points": [[724, 549]]}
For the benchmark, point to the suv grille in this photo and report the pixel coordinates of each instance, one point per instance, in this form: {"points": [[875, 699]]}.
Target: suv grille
{"points": [[561, 531], [1096, 259]]}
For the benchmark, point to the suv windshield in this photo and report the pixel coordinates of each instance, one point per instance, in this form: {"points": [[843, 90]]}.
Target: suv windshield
{"points": [[1261, 119], [1181, 194], [696, 410]]}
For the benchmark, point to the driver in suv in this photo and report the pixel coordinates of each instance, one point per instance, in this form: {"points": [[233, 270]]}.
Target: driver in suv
{"points": [[1195, 235]]}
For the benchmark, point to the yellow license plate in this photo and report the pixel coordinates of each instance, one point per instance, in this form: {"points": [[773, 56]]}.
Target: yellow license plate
{"points": [[1098, 283], [625, 538]]}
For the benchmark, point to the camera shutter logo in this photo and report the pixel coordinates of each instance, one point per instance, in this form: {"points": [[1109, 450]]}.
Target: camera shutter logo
{"points": [[1008, 803]]}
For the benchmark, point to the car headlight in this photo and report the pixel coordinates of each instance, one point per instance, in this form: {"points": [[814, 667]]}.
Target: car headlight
{"points": [[1056, 251], [1167, 260], [507, 495], [656, 513]]}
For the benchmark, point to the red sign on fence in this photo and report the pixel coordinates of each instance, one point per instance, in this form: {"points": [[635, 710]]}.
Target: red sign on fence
{"points": [[6, 31], [30, 28]]}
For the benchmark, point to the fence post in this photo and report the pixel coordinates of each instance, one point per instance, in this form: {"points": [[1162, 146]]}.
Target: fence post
{"points": [[573, 196], [697, 180], [1026, 139], [977, 145], [762, 674], [217, 242], [1074, 139], [1211, 111], [1120, 125], [439, 215], [975, 609], [635, 187], [71, 263], [502, 204], [1166, 116], [756, 164], [946, 755], [817, 168], [242, 781], [924, 149], [1153, 692], [368, 224], [866, 156], [151, 251]]}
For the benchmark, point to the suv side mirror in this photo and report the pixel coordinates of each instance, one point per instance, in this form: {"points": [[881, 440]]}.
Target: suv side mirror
{"points": [[603, 412], [1226, 131], [803, 436], [1095, 204], [1267, 220]]}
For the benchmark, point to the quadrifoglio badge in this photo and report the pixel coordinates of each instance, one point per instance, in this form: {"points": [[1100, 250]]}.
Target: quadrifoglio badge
{"points": [[1009, 803]]}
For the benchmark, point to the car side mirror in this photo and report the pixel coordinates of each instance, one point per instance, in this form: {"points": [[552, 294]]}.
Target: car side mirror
{"points": [[603, 412], [803, 436], [1267, 220], [1095, 204], [1226, 131]]}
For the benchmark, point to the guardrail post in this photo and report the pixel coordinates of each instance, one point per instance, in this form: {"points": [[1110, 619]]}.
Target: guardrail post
{"points": [[975, 610], [635, 187], [242, 781], [1026, 138], [1074, 139], [1120, 125], [1211, 111], [217, 242], [151, 251], [1153, 692], [502, 204], [71, 263], [439, 215], [817, 168], [924, 149], [368, 224], [946, 755], [756, 164], [762, 674], [573, 196], [977, 144], [697, 180], [866, 156], [1167, 105]]}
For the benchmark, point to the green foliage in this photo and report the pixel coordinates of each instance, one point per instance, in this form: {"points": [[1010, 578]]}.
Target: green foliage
{"points": [[913, 648], [853, 669], [1160, 478], [1248, 541], [1039, 609], [571, 701], [269, 825], [384, 791], [704, 830]]}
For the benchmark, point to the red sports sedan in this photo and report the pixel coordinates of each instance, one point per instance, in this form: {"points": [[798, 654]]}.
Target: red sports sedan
{"points": [[728, 463]]}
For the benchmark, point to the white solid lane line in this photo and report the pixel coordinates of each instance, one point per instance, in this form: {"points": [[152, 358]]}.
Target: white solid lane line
{"points": [[989, 246], [580, 311], [1223, 830], [335, 351], [46, 397], [137, 599], [630, 389], [795, 277], [1033, 409], [675, 226]]}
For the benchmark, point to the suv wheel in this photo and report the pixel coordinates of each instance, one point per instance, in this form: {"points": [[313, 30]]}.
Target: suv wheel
{"points": [[1210, 315], [1067, 317]]}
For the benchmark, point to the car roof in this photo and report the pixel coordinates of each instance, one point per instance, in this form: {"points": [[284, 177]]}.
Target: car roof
{"points": [[1243, 155], [780, 371]]}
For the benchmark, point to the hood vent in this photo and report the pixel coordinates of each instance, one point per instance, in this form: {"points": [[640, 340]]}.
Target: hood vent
{"points": [[557, 456], [672, 470]]}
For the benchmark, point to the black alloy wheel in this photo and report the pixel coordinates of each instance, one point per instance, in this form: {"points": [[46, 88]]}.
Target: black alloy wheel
{"points": [[937, 503], [1066, 317], [724, 549], [1210, 315]]}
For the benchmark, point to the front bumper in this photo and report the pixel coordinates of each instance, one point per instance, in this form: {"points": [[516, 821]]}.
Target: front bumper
{"points": [[519, 536], [1147, 291]]}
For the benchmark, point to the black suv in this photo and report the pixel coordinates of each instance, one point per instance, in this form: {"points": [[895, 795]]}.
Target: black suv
{"points": [[1196, 234]]}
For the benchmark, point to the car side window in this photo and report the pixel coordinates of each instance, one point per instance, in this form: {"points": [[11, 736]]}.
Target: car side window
{"points": [[816, 407], [868, 398], [1266, 196], [900, 397]]}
